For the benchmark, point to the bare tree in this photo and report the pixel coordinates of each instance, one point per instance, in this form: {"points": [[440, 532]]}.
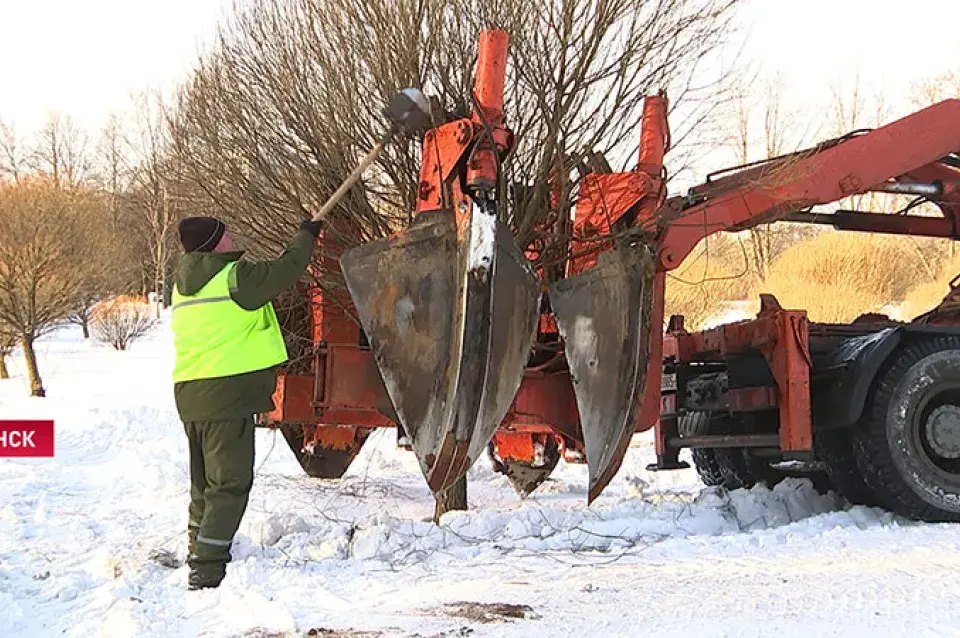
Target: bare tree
{"points": [[113, 166], [104, 267], [61, 152], [762, 127], [848, 104], [153, 199], [936, 89], [12, 154], [8, 342], [42, 246], [119, 323], [854, 108]]}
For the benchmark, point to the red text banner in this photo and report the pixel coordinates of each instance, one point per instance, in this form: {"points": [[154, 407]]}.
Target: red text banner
{"points": [[26, 438]]}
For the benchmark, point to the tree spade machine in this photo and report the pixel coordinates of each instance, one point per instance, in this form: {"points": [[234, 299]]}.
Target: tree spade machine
{"points": [[452, 335]]}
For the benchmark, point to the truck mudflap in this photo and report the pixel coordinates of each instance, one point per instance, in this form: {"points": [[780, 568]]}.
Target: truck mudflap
{"points": [[603, 315], [451, 308]]}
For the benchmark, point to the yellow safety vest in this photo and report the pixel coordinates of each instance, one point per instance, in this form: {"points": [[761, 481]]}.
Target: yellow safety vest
{"points": [[214, 337]]}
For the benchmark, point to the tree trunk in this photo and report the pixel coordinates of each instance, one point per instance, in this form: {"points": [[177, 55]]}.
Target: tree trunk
{"points": [[33, 372], [85, 325], [454, 498], [158, 292], [4, 373]]}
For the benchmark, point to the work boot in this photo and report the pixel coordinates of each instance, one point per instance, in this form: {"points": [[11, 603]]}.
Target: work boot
{"points": [[207, 576]]}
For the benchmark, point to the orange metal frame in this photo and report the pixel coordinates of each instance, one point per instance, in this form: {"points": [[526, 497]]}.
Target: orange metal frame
{"points": [[908, 150], [783, 337]]}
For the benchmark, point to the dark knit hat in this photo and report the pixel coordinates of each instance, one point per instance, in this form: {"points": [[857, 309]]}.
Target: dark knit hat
{"points": [[201, 234]]}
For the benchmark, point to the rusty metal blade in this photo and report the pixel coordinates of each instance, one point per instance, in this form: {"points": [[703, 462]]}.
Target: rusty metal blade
{"points": [[405, 290], [527, 476], [603, 315], [514, 312], [451, 317], [323, 462]]}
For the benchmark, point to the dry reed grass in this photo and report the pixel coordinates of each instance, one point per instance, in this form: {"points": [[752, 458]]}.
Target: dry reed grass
{"points": [[834, 276], [929, 294], [837, 277]]}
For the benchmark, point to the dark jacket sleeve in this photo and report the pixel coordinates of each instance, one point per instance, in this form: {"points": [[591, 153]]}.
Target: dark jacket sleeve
{"points": [[258, 283]]}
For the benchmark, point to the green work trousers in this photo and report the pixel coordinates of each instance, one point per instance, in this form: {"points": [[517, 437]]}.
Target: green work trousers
{"points": [[221, 475]]}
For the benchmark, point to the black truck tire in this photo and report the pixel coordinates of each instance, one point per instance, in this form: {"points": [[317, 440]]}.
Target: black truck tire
{"points": [[907, 442], [835, 449], [705, 460], [731, 468]]}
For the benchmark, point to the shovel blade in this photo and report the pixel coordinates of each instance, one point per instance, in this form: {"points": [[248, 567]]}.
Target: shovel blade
{"points": [[451, 312], [405, 293], [603, 316], [514, 310]]}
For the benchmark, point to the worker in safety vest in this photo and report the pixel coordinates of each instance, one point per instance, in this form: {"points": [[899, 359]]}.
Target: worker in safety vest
{"points": [[228, 345]]}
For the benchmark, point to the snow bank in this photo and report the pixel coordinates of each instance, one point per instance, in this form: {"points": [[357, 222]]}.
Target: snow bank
{"points": [[466, 535], [361, 553]]}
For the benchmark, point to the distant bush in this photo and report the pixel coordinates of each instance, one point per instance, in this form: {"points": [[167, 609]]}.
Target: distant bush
{"points": [[119, 322]]}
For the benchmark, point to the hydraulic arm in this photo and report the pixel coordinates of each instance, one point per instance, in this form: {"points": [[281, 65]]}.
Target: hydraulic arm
{"points": [[913, 155]]}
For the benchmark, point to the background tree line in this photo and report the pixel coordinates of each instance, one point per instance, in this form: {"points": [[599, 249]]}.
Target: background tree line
{"points": [[84, 219], [288, 96]]}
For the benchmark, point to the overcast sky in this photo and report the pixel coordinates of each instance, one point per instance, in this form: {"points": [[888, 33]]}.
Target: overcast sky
{"points": [[892, 42], [85, 57]]}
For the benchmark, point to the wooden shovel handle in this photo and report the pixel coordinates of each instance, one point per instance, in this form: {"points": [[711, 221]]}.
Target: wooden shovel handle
{"points": [[354, 177]]}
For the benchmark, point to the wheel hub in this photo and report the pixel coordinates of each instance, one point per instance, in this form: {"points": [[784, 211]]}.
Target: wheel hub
{"points": [[943, 431]]}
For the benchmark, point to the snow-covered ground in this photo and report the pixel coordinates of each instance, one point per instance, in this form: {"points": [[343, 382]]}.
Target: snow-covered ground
{"points": [[656, 555]]}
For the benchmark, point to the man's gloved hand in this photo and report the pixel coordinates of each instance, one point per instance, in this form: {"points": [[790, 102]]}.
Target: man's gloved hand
{"points": [[311, 227]]}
